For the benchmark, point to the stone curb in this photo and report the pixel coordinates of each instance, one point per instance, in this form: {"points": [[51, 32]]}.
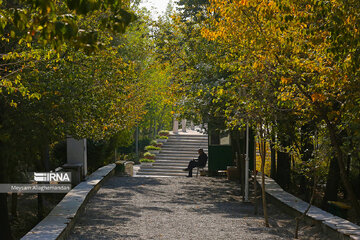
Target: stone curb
{"points": [[335, 226], [61, 219]]}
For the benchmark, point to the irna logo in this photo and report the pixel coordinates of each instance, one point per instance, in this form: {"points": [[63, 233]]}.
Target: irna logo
{"points": [[52, 176]]}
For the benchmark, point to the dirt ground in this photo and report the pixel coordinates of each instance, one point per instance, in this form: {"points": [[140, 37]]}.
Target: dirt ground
{"points": [[180, 208]]}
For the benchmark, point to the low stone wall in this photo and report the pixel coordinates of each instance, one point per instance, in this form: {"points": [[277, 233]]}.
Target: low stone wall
{"points": [[61, 219], [335, 226]]}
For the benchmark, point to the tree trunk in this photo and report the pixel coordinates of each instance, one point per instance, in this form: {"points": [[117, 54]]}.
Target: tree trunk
{"points": [[255, 183], [154, 128], [242, 175], [273, 159], [306, 150], [255, 189], [14, 200], [262, 148], [283, 169], [150, 129], [5, 230], [297, 219], [341, 162], [285, 126], [348, 164], [358, 181], [332, 183], [45, 161], [40, 205]]}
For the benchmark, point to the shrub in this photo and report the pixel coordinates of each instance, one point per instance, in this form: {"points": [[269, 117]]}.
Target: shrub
{"points": [[153, 142], [147, 160], [164, 133], [163, 137], [159, 145], [150, 147], [149, 155]]}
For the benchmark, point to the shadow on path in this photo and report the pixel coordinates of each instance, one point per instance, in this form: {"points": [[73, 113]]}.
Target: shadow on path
{"points": [[178, 208]]}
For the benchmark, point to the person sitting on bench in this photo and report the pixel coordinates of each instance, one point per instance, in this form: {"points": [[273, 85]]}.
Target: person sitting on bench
{"points": [[197, 162]]}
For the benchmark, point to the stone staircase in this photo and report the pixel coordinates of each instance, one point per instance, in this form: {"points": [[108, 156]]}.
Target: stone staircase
{"points": [[176, 154]]}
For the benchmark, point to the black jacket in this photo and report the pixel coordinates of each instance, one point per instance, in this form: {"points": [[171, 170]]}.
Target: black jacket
{"points": [[202, 159]]}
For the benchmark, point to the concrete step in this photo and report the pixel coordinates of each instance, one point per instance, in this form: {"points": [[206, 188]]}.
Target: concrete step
{"points": [[174, 152], [173, 159], [175, 156], [190, 144], [171, 165], [172, 168], [173, 162], [181, 150], [199, 138], [185, 141], [164, 171], [177, 153], [189, 135], [180, 153], [194, 148], [188, 140], [157, 169]]}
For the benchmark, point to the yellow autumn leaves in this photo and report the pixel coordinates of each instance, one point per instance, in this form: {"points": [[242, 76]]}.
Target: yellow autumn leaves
{"points": [[281, 40]]}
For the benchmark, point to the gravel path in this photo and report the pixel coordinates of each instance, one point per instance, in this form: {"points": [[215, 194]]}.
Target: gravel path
{"points": [[179, 208]]}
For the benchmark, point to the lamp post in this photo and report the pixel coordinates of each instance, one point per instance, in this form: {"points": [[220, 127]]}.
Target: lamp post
{"points": [[137, 141]]}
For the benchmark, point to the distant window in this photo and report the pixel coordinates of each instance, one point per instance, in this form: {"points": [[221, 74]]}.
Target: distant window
{"points": [[225, 139], [219, 138]]}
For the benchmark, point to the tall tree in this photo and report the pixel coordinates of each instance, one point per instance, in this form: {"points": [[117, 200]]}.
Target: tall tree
{"points": [[306, 51], [36, 34]]}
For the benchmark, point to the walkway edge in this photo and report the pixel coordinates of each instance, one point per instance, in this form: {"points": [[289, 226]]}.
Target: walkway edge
{"points": [[61, 219], [333, 225]]}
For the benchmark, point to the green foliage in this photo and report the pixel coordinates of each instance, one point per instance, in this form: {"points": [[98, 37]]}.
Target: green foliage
{"points": [[148, 154], [145, 160], [55, 22], [151, 147], [153, 143], [99, 153], [58, 153], [164, 133], [34, 32], [138, 45], [163, 137], [54, 82]]}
